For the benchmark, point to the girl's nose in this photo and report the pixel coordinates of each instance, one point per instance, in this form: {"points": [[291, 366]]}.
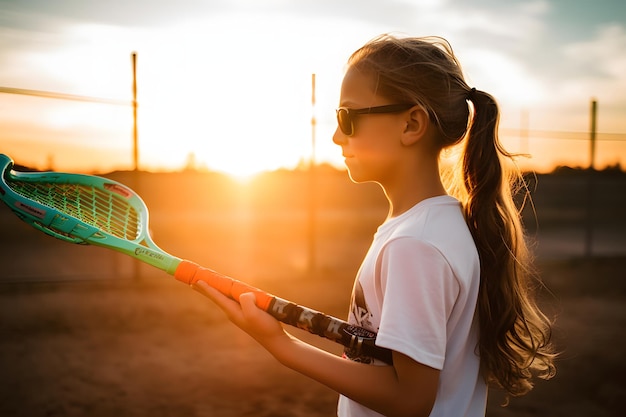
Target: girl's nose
{"points": [[339, 138]]}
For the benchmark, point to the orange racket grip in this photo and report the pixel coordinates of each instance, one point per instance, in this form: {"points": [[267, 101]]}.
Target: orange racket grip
{"points": [[189, 273]]}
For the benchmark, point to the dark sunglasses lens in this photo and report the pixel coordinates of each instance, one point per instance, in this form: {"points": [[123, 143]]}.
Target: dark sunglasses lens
{"points": [[344, 121]]}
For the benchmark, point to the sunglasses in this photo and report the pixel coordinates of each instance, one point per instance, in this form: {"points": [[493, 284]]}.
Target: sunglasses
{"points": [[346, 116]]}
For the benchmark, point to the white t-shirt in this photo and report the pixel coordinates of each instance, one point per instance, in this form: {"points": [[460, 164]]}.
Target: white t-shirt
{"points": [[417, 288]]}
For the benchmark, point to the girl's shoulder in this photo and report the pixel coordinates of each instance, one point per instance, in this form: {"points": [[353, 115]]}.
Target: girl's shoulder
{"points": [[432, 218], [435, 227]]}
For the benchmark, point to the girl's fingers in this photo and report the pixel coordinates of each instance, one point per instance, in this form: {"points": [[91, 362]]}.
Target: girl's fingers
{"points": [[229, 306], [245, 313], [260, 325], [251, 312]]}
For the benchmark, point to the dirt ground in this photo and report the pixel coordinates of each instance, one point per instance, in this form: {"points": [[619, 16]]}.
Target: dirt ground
{"points": [[83, 334], [157, 348]]}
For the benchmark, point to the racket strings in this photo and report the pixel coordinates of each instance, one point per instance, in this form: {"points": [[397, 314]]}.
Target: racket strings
{"points": [[94, 206]]}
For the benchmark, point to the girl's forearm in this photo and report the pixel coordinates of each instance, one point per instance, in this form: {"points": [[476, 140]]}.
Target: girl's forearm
{"points": [[381, 388], [406, 388]]}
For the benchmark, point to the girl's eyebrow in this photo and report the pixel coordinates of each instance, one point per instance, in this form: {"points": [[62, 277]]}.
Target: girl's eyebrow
{"points": [[352, 104]]}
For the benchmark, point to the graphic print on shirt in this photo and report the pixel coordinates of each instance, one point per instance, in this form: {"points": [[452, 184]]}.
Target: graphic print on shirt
{"points": [[359, 316]]}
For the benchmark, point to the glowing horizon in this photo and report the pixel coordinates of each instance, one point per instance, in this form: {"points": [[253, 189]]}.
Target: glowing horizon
{"points": [[234, 90], [67, 150], [109, 148]]}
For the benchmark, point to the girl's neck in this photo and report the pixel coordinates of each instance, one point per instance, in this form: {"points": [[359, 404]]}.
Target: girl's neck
{"points": [[412, 188], [401, 205]]}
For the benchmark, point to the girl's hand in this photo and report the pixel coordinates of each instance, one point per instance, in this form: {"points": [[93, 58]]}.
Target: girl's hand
{"points": [[390, 390], [246, 315]]}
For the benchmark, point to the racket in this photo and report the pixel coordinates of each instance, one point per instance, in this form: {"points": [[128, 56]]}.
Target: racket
{"points": [[92, 210]]}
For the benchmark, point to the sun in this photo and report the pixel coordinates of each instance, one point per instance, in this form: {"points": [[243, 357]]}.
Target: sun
{"points": [[241, 106], [241, 114], [221, 130]]}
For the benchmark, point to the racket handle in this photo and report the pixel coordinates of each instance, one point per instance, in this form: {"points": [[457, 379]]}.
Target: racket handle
{"points": [[357, 339], [189, 273]]}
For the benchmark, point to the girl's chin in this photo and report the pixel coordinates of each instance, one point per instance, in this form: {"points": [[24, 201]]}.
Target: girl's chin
{"points": [[355, 177]]}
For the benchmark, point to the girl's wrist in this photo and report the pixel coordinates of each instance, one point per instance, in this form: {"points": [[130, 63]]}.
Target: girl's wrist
{"points": [[279, 346]]}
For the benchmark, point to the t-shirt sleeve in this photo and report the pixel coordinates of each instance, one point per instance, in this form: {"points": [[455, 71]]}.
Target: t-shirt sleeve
{"points": [[419, 290]]}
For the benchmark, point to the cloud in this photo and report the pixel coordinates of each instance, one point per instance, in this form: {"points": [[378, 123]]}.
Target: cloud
{"points": [[512, 49], [502, 76], [604, 55], [595, 68]]}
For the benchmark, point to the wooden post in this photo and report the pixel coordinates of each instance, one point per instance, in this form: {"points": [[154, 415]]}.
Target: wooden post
{"points": [[135, 175], [592, 135], [590, 180], [135, 136], [312, 261]]}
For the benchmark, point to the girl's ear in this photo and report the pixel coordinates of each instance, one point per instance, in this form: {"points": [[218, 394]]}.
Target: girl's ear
{"points": [[416, 126]]}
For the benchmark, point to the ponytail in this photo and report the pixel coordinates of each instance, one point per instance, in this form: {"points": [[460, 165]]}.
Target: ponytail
{"points": [[514, 339]]}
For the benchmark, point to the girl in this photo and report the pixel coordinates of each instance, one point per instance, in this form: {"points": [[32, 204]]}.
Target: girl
{"points": [[446, 282]]}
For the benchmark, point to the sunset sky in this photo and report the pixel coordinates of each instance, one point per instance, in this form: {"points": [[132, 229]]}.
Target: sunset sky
{"points": [[230, 80]]}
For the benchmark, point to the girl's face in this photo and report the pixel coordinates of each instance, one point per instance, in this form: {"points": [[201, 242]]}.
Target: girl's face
{"points": [[373, 151]]}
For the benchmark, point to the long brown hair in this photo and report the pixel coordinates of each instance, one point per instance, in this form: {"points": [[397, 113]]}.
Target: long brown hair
{"points": [[514, 342]]}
